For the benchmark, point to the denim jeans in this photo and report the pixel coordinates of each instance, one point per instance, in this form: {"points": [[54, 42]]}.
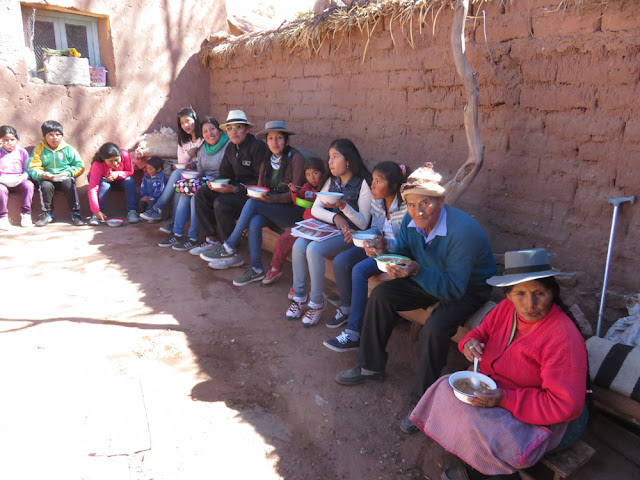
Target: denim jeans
{"points": [[184, 208], [126, 184], [359, 293], [169, 193], [342, 265], [309, 256], [256, 215]]}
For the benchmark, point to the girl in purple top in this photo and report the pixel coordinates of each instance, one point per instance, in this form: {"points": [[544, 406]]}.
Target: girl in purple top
{"points": [[14, 161]]}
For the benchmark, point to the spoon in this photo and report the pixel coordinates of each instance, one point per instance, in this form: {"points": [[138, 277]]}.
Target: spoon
{"points": [[475, 381]]}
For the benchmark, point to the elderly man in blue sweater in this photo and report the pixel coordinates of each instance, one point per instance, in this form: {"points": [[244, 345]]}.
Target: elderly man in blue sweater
{"points": [[451, 262]]}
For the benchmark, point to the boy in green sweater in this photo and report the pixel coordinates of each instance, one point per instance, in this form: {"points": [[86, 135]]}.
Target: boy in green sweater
{"points": [[55, 165]]}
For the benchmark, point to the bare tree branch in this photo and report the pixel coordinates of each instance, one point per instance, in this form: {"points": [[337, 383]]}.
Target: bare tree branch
{"points": [[465, 175]]}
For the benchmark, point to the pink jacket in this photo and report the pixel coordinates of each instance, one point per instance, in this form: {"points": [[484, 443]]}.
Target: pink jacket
{"points": [[543, 373], [99, 170]]}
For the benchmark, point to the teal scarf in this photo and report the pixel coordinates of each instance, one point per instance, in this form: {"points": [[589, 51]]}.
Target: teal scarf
{"points": [[211, 149]]}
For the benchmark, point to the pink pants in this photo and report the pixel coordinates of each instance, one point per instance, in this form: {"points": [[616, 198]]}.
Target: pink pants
{"points": [[25, 189]]}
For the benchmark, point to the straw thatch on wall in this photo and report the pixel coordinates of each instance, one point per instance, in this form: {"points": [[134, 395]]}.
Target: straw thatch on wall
{"points": [[335, 25]]}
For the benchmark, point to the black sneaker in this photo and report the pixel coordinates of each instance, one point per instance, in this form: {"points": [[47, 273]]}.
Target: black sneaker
{"points": [[168, 228], [337, 321], [170, 241], [76, 220], [342, 343], [183, 246], [44, 219]]}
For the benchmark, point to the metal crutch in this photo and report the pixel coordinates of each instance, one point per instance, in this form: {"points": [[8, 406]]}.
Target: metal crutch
{"points": [[616, 204]]}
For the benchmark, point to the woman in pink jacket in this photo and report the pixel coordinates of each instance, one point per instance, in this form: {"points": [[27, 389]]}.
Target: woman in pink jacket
{"points": [[530, 347], [111, 168]]}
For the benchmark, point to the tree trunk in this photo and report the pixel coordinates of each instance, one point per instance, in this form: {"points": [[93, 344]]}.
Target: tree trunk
{"points": [[456, 186]]}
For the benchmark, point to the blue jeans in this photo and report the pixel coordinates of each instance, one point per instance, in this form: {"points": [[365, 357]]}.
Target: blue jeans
{"points": [[309, 256], [360, 293], [169, 193], [183, 208], [256, 215], [343, 263], [126, 184]]}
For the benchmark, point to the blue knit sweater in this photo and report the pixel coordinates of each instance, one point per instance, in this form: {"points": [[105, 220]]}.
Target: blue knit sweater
{"points": [[453, 264]]}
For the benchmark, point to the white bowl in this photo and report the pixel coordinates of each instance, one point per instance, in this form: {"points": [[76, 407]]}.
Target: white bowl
{"points": [[115, 222], [180, 166], [190, 174], [465, 375], [359, 238], [219, 182], [329, 197], [388, 259], [254, 191]]}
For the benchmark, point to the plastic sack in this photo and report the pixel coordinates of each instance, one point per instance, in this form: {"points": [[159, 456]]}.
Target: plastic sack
{"points": [[626, 330]]}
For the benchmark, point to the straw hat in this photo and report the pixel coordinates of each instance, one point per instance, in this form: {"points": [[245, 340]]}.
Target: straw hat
{"points": [[424, 181], [236, 116], [274, 126], [524, 265]]}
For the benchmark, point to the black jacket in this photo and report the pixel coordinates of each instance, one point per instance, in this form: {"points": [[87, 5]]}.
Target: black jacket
{"points": [[241, 163]]}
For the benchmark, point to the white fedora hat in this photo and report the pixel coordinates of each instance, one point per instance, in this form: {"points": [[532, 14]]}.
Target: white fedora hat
{"points": [[236, 116], [524, 265]]}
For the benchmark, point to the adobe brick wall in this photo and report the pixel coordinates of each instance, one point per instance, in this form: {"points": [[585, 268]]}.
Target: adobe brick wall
{"points": [[558, 117], [150, 49]]}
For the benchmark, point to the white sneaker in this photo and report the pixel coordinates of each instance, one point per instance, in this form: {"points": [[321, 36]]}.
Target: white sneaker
{"points": [[313, 314], [4, 223], [203, 247], [25, 220], [133, 217], [93, 221]]}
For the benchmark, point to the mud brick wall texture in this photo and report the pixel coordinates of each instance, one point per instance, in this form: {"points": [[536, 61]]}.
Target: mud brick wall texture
{"points": [[559, 118]]}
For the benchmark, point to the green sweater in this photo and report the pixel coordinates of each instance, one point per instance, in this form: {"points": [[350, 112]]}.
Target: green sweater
{"points": [[62, 159], [450, 265]]}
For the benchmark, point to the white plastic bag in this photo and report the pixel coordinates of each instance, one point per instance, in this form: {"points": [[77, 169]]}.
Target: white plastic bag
{"points": [[627, 329]]}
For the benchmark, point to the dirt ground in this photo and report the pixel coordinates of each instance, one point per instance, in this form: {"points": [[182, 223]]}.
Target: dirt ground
{"points": [[123, 360]]}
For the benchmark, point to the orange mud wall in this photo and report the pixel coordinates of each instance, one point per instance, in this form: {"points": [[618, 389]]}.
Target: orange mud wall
{"points": [[150, 50], [559, 117]]}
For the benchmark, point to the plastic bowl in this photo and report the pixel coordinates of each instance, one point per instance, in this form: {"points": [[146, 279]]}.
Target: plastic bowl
{"points": [[464, 397], [301, 202], [254, 191], [383, 260], [329, 197], [219, 182], [360, 238], [115, 222], [190, 174], [180, 166]]}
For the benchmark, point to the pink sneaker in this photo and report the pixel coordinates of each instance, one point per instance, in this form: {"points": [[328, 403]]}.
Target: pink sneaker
{"points": [[271, 276]]}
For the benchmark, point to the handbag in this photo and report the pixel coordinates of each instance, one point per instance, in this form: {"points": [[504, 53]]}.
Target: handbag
{"points": [[190, 186]]}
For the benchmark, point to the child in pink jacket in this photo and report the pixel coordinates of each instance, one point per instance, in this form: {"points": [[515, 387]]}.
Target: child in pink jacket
{"points": [[111, 168], [14, 161]]}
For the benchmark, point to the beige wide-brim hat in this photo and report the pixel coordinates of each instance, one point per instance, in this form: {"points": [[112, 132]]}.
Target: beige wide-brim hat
{"points": [[424, 181], [524, 265], [235, 116], [274, 126]]}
